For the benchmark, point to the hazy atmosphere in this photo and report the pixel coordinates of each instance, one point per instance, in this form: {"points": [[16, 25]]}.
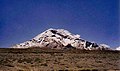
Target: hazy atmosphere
{"points": [[94, 20]]}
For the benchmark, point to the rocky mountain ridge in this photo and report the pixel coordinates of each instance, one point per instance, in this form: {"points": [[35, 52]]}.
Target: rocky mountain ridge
{"points": [[61, 39]]}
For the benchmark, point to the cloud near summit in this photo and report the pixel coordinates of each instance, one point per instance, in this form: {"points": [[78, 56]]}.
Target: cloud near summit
{"points": [[118, 48]]}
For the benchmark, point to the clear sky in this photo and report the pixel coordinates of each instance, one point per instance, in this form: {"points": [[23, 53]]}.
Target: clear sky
{"points": [[94, 20]]}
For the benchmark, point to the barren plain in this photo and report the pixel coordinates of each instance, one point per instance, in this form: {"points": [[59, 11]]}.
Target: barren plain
{"points": [[39, 59]]}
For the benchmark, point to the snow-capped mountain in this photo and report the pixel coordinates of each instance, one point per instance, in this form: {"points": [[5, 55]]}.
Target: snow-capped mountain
{"points": [[60, 39]]}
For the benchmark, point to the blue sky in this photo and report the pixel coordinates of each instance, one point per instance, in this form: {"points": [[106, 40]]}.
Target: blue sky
{"points": [[94, 20]]}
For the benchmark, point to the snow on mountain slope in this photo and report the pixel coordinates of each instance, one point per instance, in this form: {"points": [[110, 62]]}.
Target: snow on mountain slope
{"points": [[60, 39]]}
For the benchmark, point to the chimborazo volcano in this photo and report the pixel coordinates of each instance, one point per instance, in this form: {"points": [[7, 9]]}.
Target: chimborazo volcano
{"points": [[61, 39]]}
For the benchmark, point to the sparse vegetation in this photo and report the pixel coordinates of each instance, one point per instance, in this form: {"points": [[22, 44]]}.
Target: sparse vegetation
{"points": [[51, 59], [38, 60]]}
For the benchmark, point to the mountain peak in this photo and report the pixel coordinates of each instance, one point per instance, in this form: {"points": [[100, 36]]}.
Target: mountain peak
{"points": [[60, 39]]}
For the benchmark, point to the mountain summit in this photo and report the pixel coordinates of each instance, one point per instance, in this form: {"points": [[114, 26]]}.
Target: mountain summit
{"points": [[61, 39]]}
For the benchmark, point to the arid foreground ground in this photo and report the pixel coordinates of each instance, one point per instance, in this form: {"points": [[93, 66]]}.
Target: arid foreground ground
{"points": [[36, 59]]}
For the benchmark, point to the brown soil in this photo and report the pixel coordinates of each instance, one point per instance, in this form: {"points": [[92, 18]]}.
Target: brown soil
{"points": [[37, 59]]}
